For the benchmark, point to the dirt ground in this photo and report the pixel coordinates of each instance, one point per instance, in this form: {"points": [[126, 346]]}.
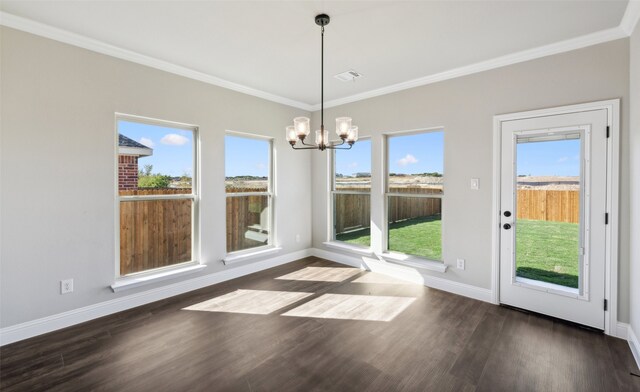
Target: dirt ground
{"points": [[529, 182], [556, 183]]}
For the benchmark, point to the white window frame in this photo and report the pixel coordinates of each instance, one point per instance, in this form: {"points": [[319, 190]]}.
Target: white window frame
{"points": [[270, 196], [332, 194], [193, 196], [400, 257]]}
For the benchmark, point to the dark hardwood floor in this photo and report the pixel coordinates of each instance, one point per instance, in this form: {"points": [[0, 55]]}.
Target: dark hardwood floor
{"points": [[440, 342]]}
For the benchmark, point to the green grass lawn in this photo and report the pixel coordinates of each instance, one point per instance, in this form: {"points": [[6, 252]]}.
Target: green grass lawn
{"points": [[356, 237], [546, 251], [420, 237]]}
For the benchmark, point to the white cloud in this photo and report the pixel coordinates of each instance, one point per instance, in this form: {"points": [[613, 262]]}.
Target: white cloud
{"points": [[147, 142], [261, 166], [173, 139], [407, 160], [353, 165], [563, 159]]}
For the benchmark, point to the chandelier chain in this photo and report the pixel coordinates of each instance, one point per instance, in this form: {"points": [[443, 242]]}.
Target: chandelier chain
{"points": [[322, 79]]}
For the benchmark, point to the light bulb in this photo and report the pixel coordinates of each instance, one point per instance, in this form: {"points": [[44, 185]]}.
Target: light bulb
{"points": [[352, 137], [291, 134], [343, 124], [301, 125], [322, 137]]}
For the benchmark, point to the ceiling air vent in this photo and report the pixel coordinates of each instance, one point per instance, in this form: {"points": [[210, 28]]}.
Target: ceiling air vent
{"points": [[348, 75]]}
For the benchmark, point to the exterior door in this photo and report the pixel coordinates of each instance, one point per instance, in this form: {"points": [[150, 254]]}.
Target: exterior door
{"points": [[553, 204]]}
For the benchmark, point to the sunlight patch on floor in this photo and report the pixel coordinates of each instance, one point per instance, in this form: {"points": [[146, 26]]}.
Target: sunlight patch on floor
{"points": [[352, 307], [250, 301], [374, 278], [322, 274]]}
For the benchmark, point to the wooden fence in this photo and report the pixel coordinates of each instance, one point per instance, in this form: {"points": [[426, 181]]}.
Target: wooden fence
{"points": [[157, 233], [154, 233], [353, 210], [251, 215], [549, 205]]}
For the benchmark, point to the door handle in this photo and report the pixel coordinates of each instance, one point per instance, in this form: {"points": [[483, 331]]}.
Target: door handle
{"points": [[506, 226], [507, 213]]}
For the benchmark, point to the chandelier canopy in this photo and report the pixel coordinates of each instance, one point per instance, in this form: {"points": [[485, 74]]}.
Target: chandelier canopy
{"points": [[301, 127]]}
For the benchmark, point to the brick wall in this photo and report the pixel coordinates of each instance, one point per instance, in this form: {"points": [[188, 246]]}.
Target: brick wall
{"points": [[127, 172]]}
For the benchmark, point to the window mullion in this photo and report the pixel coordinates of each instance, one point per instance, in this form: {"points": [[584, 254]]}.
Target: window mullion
{"points": [[423, 195], [244, 194], [157, 197]]}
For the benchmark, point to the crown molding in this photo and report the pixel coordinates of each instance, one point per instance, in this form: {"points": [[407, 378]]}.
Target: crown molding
{"points": [[498, 62], [67, 37], [630, 17]]}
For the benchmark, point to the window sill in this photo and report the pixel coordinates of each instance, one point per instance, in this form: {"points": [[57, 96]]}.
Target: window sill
{"points": [[349, 248], [414, 261], [130, 282], [234, 258]]}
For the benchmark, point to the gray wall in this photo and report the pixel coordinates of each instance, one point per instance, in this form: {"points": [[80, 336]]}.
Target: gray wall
{"points": [[465, 107], [634, 144], [58, 158], [57, 183]]}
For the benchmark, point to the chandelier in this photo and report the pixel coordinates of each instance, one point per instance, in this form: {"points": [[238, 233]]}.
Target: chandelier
{"points": [[301, 125]]}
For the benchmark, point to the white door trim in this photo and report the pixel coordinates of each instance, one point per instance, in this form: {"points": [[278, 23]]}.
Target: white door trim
{"points": [[613, 166]]}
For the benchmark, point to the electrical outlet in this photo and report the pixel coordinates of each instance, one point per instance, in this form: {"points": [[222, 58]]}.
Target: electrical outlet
{"points": [[460, 264], [66, 286], [475, 184]]}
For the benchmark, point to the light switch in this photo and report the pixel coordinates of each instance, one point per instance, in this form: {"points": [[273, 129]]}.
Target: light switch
{"points": [[475, 184]]}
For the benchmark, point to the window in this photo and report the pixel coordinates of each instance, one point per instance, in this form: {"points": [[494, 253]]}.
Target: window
{"points": [[157, 194], [248, 183], [414, 194], [351, 194]]}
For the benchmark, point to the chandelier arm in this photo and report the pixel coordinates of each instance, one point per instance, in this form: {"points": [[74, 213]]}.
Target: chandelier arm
{"points": [[310, 147], [335, 142], [340, 148]]}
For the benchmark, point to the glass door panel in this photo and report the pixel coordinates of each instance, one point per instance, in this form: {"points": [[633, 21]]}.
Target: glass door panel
{"points": [[548, 232]]}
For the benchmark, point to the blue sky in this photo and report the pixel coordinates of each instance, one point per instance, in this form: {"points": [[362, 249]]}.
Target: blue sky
{"points": [[172, 147], [409, 154], [356, 160], [420, 153], [551, 158], [246, 157]]}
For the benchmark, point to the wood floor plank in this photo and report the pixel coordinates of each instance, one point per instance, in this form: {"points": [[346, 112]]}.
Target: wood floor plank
{"points": [[470, 363], [440, 342]]}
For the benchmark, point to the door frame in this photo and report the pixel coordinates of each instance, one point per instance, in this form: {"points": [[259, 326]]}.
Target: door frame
{"points": [[612, 107]]}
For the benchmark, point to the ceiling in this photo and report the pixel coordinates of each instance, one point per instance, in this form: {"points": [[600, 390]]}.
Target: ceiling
{"points": [[274, 46]]}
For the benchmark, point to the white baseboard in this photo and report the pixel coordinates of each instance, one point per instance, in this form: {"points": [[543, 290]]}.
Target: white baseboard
{"points": [[352, 261], [634, 344], [404, 273], [43, 325], [621, 331], [55, 322]]}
